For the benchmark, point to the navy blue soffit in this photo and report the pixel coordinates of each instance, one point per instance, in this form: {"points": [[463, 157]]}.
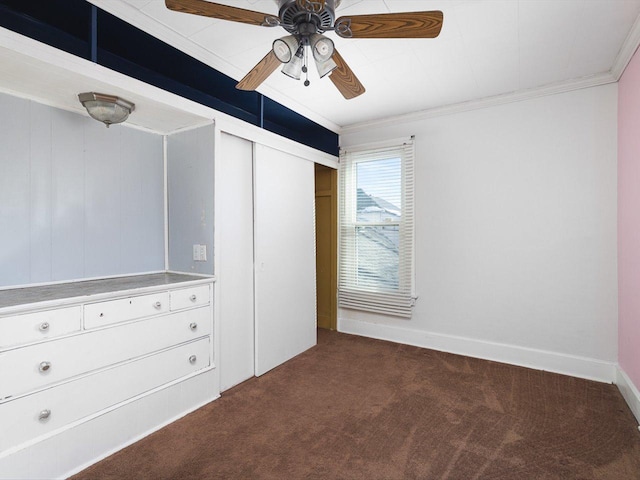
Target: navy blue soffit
{"points": [[81, 29]]}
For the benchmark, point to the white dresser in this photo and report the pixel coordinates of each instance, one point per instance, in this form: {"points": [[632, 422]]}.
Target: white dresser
{"points": [[87, 368]]}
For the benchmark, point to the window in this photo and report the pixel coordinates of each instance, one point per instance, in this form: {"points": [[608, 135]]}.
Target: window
{"points": [[376, 229]]}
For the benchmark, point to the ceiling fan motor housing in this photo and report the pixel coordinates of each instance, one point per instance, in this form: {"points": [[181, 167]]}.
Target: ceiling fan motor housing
{"points": [[293, 15]]}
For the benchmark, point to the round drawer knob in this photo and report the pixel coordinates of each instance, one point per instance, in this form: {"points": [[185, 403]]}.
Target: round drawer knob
{"points": [[193, 326], [44, 366], [158, 305], [44, 414], [192, 359], [44, 326], [193, 298]]}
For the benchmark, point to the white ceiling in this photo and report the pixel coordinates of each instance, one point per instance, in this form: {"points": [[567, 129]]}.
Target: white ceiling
{"points": [[486, 48]]}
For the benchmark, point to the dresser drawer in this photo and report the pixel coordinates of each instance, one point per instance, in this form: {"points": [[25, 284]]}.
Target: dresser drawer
{"points": [[29, 368], [66, 403], [189, 297], [36, 326], [123, 309]]}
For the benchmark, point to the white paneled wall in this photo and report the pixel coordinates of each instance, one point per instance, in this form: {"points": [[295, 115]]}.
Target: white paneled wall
{"points": [[15, 192], [77, 200], [190, 191]]}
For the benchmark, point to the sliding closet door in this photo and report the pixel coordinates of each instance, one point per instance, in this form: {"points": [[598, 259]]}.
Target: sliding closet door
{"points": [[234, 223], [285, 279]]}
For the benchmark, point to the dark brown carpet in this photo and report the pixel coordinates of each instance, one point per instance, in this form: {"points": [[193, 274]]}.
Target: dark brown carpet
{"points": [[356, 408]]}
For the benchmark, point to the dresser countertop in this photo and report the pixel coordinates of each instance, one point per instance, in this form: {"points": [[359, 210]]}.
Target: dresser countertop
{"points": [[72, 290]]}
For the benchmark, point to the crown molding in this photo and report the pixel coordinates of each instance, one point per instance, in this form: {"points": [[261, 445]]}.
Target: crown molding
{"points": [[512, 97], [627, 50]]}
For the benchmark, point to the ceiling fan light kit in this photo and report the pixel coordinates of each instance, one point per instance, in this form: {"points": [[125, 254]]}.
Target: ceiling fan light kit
{"points": [[286, 47], [326, 67], [294, 67], [322, 47], [307, 21], [296, 63]]}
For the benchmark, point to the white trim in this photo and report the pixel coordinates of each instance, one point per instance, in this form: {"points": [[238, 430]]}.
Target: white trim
{"points": [[193, 274], [629, 391], [575, 366], [238, 128], [217, 234], [627, 50], [518, 96], [394, 142], [195, 126], [255, 149], [165, 200]]}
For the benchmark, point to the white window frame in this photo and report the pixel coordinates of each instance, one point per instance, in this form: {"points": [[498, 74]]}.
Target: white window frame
{"points": [[393, 302]]}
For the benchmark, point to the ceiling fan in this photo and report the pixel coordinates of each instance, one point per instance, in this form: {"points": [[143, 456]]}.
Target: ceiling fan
{"points": [[306, 21]]}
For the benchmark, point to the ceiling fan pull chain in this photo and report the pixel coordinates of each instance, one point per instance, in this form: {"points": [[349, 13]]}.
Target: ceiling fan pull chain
{"points": [[305, 69]]}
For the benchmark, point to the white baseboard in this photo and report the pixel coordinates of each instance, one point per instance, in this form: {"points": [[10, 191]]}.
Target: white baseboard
{"points": [[629, 391], [575, 366]]}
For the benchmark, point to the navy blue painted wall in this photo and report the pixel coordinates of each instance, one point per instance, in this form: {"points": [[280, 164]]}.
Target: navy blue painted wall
{"points": [[67, 25]]}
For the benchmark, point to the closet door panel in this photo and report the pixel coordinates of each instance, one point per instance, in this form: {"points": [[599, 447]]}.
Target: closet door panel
{"points": [[285, 297], [234, 221]]}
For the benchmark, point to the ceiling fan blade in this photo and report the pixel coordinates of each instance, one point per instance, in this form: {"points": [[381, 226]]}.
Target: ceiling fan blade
{"points": [[344, 79], [223, 12], [260, 72], [391, 25]]}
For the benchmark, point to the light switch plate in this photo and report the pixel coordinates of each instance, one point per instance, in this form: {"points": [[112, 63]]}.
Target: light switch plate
{"points": [[199, 253]]}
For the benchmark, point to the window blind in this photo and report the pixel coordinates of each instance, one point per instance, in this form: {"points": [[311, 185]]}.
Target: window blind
{"points": [[376, 229]]}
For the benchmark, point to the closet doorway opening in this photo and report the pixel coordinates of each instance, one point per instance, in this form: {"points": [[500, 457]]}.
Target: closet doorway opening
{"points": [[326, 180]]}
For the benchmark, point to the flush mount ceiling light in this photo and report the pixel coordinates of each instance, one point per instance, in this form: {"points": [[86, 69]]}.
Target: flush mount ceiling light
{"points": [[107, 109]]}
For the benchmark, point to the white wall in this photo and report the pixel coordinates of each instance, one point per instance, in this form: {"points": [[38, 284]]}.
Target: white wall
{"points": [[77, 200], [515, 233]]}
